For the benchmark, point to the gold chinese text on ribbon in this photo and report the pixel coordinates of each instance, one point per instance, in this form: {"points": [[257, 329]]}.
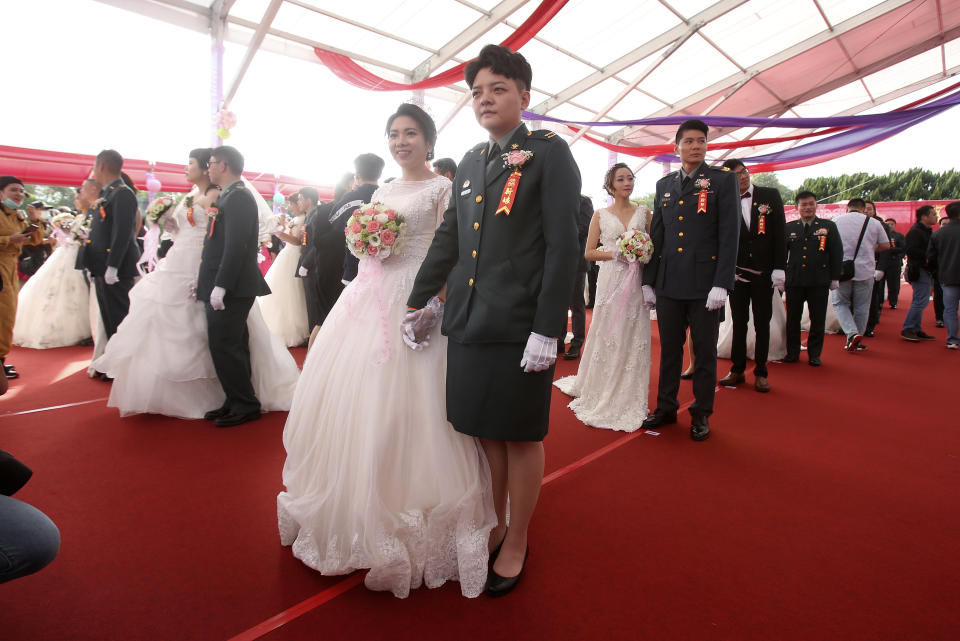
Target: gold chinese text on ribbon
{"points": [[509, 193]]}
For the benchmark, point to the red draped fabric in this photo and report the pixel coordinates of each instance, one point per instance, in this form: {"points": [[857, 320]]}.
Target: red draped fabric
{"points": [[60, 168], [349, 71]]}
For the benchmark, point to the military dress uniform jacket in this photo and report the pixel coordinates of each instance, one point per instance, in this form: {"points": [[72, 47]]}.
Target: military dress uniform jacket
{"points": [[506, 275], [893, 257], [807, 264], [765, 251], [694, 252], [112, 241], [229, 257]]}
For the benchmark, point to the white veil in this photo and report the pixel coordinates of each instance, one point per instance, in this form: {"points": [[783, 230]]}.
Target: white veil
{"points": [[264, 211]]}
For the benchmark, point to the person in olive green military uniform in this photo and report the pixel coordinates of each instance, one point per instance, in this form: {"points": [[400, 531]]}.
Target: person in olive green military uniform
{"points": [[507, 250], [814, 258], [111, 253], [695, 231]]}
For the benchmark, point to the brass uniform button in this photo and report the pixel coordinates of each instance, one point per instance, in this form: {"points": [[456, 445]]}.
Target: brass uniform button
{"points": [[680, 249], [476, 225], [679, 217], [470, 282], [479, 198], [680, 234], [804, 255], [474, 253], [680, 202], [713, 257]]}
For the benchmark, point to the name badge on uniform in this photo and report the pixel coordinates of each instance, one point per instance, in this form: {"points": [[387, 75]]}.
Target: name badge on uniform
{"points": [[666, 195], [465, 192]]}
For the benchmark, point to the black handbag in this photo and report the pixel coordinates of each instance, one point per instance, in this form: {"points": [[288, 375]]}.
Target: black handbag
{"points": [[849, 267]]}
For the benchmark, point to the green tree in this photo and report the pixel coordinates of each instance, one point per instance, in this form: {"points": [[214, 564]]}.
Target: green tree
{"points": [[770, 180], [646, 199], [53, 195], [912, 184]]}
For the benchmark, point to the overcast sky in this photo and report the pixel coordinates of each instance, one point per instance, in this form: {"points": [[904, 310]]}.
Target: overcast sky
{"points": [[97, 77]]}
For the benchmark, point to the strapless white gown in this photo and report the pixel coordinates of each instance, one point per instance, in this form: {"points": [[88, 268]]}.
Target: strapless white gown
{"points": [[285, 308], [375, 476], [52, 305], [160, 356]]}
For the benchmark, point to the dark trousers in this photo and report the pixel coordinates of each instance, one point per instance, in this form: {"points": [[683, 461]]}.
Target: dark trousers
{"points": [[816, 299], [593, 270], [876, 305], [937, 298], [578, 311], [312, 295], [230, 350], [673, 318], [892, 278], [113, 301], [758, 294]]}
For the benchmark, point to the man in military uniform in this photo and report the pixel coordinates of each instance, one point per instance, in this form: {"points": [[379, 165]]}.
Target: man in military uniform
{"points": [[814, 259], [879, 285], [695, 230], [228, 283], [111, 253], [507, 251]]}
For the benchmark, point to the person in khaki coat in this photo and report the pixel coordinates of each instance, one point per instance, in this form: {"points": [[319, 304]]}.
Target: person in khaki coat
{"points": [[16, 230]]}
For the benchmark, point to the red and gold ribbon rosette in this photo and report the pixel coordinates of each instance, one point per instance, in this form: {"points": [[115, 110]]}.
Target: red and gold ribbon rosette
{"points": [[190, 219], [303, 237], [103, 212], [212, 214], [823, 242], [703, 184], [763, 210], [514, 160]]}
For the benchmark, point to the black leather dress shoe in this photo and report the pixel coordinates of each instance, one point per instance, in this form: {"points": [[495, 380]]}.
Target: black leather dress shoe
{"points": [[498, 586], [10, 371], [103, 377], [814, 362], [659, 419], [213, 415], [230, 419], [572, 354], [686, 376], [791, 358], [699, 428]]}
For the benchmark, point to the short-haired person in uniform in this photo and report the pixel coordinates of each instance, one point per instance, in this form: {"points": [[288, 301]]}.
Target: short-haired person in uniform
{"points": [[507, 251], [895, 264], [814, 255], [761, 259], [111, 255], [695, 230], [369, 167], [228, 284], [883, 262]]}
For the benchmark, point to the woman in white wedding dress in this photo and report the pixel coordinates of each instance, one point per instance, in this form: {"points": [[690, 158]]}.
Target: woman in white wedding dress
{"points": [[375, 476], [160, 357], [612, 383], [285, 308], [52, 306], [778, 332]]}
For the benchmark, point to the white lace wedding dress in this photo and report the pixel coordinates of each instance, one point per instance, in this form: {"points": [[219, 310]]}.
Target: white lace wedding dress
{"points": [[285, 308], [375, 476], [778, 332], [612, 383], [160, 357], [52, 305]]}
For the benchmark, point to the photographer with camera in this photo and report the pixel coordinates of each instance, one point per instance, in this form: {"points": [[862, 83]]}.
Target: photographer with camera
{"points": [[16, 230]]}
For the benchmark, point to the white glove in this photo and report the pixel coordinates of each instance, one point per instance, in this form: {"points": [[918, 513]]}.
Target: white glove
{"points": [[302, 272], [416, 324], [110, 276], [716, 298], [539, 354], [216, 299], [834, 284], [878, 275], [779, 279], [649, 296]]}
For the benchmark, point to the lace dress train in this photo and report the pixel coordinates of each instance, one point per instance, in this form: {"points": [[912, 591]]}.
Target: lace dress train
{"points": [[51, 307]]}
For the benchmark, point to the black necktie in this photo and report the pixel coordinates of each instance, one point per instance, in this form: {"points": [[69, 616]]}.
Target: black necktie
{"points": [[806, 229], [685, 182], [492, 158]]}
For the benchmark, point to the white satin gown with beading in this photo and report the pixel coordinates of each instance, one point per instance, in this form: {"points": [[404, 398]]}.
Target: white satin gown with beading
{"points": [[284, 309], [375, 476], [160, 356], [52, 305], [778, 332], [612, 383]]}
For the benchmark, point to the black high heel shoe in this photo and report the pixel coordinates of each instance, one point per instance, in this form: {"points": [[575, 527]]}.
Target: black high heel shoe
{"points": [[498, 586]]}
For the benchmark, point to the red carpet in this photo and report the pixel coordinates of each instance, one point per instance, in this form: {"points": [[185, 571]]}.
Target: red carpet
{"points": [[826, 509]]}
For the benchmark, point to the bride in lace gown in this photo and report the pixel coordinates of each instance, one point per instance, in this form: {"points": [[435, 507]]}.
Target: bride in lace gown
{"points": [[160, 357], [375, 476], [612, 383], [52, 306], [285, 308]]}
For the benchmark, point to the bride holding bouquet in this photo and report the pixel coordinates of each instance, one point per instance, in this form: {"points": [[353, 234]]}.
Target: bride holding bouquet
{"points": [[375, 477], [611, 386]]}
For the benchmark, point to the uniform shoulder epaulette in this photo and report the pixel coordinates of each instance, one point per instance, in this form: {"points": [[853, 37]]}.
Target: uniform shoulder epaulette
{"points": [[478, 147], [723, 168], [542, 134]]}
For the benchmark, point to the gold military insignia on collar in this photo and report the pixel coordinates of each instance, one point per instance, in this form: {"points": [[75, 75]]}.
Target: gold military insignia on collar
{"points": [[514, 146], [725, 169]]}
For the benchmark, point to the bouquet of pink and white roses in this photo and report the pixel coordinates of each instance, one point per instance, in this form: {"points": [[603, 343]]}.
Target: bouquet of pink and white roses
{"points": [[157, 209], [635, 245], [374, 230]]}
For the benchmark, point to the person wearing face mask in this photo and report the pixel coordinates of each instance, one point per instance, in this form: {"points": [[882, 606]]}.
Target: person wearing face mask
{"points": [[17, 229]]}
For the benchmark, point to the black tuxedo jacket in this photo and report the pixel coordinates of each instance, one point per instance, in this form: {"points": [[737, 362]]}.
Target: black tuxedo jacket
{"points": [[506, 275], [81, 251], [694, 252], [113, 234], [311, 231], [767, 251], [807, 264], [344, 208], [230, 248]]}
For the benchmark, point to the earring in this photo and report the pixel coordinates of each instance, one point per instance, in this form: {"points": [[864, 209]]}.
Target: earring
{"points": [[430, 155]]}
